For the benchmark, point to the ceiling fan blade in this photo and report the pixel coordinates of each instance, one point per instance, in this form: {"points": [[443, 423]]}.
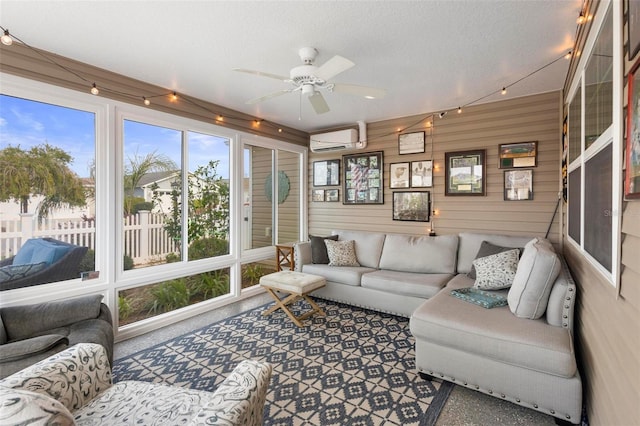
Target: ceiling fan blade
{"points": [[269, 96], [333, 67], [262, 74], [367, 92], [318, 103]]}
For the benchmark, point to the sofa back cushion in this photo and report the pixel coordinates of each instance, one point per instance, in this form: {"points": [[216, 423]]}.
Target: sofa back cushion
{"points": [[422, 254], [537, 271], [470, 244], [37, 250], [368, 245]]}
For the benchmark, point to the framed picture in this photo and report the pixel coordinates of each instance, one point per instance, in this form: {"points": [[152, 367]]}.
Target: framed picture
{"points": [[514, 155], [363, 177], [422, 174], [633, 27], [318, 195], [399, 175], [331, 195], [326, 173], [518, 185], [464, 172], [632, 160], [411, 206], [411, 143]]}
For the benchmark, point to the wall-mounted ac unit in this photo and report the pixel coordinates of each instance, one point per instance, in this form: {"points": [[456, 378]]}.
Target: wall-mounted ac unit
{"points": [[341, 140]]}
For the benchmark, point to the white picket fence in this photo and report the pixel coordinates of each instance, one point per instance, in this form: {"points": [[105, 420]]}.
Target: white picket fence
{"points": [[145, 238]]}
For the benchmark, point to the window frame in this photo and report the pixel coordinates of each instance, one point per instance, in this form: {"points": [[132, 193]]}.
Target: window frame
{"points": [[611, 136]]}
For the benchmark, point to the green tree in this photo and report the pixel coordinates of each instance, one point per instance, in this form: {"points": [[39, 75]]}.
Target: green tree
{"points": [[137, 167], [42, 170]]}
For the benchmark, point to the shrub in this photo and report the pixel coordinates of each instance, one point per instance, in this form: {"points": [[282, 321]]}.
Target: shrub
{"points": [[172, 258], [169, 295], [213, 284], [125, 307], [252, 272], [208, 247], [88, 262]]}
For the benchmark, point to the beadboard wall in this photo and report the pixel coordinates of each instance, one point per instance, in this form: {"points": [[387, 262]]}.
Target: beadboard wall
{"points": [[531, 118]]}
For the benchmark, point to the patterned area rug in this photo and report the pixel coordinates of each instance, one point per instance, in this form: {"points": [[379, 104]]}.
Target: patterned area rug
{"points": [[353, 366]]}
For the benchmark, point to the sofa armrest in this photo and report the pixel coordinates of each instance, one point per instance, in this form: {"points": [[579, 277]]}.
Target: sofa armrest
{"points": [[73, 377], [240, 399], [301, 254]]}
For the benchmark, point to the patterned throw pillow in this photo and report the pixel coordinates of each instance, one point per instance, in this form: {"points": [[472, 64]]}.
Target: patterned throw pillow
{"points": [[13, 272], [496, 271], [342, 253]]}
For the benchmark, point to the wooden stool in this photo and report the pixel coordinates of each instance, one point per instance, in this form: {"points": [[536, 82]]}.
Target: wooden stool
{"points": [[298, 285]]}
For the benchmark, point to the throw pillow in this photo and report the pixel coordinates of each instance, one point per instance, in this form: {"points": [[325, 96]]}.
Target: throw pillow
{"points": [[487, 249], [319, 249], [341, 253], [537, 272], [496, 271]]}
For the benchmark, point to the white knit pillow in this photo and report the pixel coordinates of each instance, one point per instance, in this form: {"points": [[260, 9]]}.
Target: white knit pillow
{"points": [[497, 270], [341, 253]]}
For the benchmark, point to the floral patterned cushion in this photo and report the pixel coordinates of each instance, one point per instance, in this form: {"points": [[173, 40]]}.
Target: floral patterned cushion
{"points": [[496, 271], [21, 407], [341, 253]]}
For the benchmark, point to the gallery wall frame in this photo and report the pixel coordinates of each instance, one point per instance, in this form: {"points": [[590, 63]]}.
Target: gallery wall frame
{"points": [[422, 174], [399, 175], [413, 206], [632, 154], [518, 185], [633, 27], [332, 195], [411, 143], [465, 172], [326, 173], [519, 154], [317, 195], [363, 178]]}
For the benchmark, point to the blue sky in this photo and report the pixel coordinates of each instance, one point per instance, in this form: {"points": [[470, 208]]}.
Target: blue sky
{"points": [[27, 123]]}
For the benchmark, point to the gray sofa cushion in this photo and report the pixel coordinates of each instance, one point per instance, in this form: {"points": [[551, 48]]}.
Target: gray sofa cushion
{"points": [[538, 269], [349, 275], [428, 255], [319, 248], [493, 333], [470, 244], [406, 283], [368, 245], [36, 345]]}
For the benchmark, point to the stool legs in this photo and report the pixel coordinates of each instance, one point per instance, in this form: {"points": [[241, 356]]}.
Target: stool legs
{"points": [[291, 298]]}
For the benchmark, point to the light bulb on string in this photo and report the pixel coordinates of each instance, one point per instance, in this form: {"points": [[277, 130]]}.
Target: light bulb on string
{"points": [[94, 89], [568, 55], [581, 18], [6, 38], [459, 110], [174, 96], [504, 91], [146, 101]]}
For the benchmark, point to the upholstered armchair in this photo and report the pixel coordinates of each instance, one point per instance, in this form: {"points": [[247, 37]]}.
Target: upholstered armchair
{"points": [[75, 387]]}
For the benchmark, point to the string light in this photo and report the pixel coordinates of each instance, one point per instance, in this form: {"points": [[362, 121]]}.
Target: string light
{"points": [[279, 129], [174, 96], [581, 18], [6, 38], [220, 118], [146, 101], [568, 55], [459, 110], [94, 89], [504, 91]]}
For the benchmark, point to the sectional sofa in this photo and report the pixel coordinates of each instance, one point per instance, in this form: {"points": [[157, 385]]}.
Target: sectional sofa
{"points": [[522, 352]]}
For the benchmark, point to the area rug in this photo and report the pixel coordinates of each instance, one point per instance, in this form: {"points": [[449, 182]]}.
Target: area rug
{"points": [[353, 366]]}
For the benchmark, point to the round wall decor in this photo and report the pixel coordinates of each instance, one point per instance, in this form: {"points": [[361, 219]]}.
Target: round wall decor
{"points": [[283, 187]]}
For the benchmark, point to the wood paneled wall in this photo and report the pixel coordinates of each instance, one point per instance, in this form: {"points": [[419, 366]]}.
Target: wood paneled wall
{"points": [[608, 318], [531, 118]]}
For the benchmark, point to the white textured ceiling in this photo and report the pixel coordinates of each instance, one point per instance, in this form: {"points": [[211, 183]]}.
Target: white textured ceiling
{"points": [[428, 55]]}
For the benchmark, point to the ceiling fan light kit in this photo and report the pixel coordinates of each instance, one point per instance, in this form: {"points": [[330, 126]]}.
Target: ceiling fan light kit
{"points": [[309, 79]]}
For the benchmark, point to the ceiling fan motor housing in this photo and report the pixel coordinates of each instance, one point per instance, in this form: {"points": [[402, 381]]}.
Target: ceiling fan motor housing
{"points": [[305, 74]]}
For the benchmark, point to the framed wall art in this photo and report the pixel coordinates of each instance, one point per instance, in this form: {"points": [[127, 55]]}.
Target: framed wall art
{"points": [[421, 174], [632, 155], [363, 177], [633, 27], [518, 185], [464, 172], [399, 175], [514, 155], [317, 195], [326, 173], [331, 195], [411, 143], [411, 206]]}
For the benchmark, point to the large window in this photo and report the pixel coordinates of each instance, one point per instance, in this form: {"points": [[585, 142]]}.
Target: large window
{"points": [[47, 192], [595, 113]]}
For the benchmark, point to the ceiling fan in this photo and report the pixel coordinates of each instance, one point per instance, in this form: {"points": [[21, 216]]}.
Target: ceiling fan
{"points": [[309, 79]]}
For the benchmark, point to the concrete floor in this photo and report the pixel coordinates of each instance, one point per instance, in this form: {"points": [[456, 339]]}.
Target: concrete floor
{"points": [[464, 406]]}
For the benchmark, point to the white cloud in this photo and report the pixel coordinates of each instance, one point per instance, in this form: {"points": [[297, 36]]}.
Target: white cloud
{"points": [[27, 120]]}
